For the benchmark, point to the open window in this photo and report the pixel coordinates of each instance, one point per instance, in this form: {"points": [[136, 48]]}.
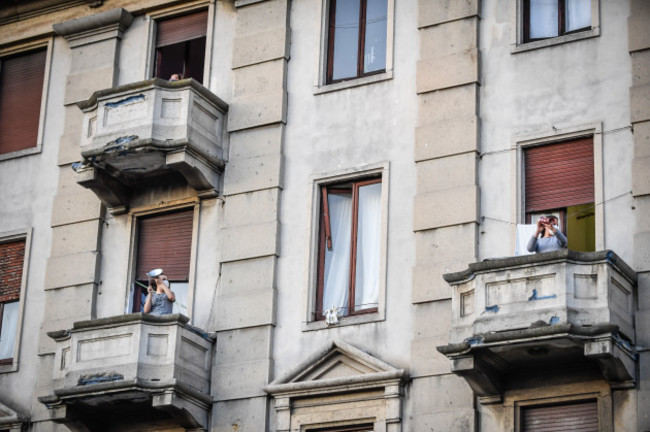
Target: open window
{"points": [[545, 19], [559, 180], [164, 241], [12, 281], [180, 46], [357, 38], [349, 247], [21, 88]]}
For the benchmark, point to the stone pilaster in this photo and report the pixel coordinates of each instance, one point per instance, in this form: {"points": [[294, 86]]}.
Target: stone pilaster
{"points": [[72, 273], [252, 188], [639, 47], [446, 205]]}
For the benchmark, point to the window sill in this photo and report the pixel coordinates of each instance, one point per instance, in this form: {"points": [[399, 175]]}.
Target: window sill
{"points": [[356, 82], [20, 153], [344, 321], [11, 367], [544, 43]]}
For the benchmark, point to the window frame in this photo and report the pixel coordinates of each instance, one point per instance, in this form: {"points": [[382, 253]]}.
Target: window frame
{"points": [[25, 48], [8, 237], [379, 170], [133, 231], [521, 143], [522, 44], [321, 84], [151, 18]]}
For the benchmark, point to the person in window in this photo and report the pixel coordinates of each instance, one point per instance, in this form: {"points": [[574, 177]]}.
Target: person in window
{"points": [[176, 77], [160, 297], [552, 239]]}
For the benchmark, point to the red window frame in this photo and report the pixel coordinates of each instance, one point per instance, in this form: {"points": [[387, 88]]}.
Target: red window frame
{"points": [[360, 44], [561, 22], [326, 242]]}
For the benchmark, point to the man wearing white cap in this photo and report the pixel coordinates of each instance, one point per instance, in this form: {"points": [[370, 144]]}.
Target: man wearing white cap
{"points": [[160, 297]]}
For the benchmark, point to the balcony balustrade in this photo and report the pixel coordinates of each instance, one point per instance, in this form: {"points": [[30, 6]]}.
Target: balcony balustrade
{"points": [[558, 308], [128, 367]]}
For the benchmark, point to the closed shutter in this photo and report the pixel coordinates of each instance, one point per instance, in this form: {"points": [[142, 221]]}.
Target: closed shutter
{"points": [[574, 417], [165, 242], [559, 175], [181, 29], [12, 256], [21, 87]]}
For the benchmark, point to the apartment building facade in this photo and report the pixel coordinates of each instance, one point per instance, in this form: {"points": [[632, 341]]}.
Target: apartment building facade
{"points": [[339, 193]]}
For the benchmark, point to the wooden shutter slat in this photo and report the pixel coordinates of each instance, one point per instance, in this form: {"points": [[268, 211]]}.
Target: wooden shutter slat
{"points": [[580, 416], [21, 88], [559, 175], [166, 242], [187, 27]]}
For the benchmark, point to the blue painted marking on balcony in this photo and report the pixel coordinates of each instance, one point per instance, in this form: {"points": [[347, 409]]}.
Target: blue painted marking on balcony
{"points": [[474, 341], [536, 297], [494, 308], [128, 100], [554, 320], [99, 378]]}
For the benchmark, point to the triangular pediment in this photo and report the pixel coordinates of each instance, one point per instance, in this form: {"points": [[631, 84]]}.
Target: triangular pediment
{"points": [[337, 364], [9, 418]]}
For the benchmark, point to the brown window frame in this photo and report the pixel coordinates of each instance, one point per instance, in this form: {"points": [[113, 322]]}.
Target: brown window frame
{"points": [[360, 44], [325, 241], [14, 282], [561, 23]]}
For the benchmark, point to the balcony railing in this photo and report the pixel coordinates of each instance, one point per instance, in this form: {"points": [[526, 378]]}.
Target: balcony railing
{"points": [[146, 366], [150, 132], [565, 307]]}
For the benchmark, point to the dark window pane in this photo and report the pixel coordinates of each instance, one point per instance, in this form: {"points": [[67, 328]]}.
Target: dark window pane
{"points": [[346, 39], [543, 19], [578, 14], [375, 43]]}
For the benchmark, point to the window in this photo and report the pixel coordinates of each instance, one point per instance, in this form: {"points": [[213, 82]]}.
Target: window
{"points": [[164, 241], [560, 417], [357, 38], [559, 180], [349, 247], [12, 255], [21, 88], [545, 19], [180, 46]]}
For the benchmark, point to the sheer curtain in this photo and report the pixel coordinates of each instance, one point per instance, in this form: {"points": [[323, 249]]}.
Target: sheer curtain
{"points": [[8, 330], [578, 14], [337, 259], [543, 19], [366, 285]]}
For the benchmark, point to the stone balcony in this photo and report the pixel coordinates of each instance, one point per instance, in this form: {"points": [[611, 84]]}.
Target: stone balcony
{"points": [[553, 309], [151, 132], [131, 367]]}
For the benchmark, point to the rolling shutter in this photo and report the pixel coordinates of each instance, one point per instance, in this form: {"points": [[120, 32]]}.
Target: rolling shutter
{"points": [[574, 417], [12, 256], [165, 242], [21, 87], [183, 28], [559, 175]]}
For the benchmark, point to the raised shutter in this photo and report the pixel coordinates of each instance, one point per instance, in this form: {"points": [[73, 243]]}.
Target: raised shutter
{"points": [[574, 417], [165, 242], [559, 175], [21, 87], [12, 256], [184, 28]]}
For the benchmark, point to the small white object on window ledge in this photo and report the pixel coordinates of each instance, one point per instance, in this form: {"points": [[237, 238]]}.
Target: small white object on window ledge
{"points": [[331, 315]]}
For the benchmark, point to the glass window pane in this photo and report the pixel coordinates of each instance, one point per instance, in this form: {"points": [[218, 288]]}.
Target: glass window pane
{"points": [[366, 288], [8, 330], [578, 14], [180, 292], [346, 39], [375, 44], [336, 277], [543, 19]]}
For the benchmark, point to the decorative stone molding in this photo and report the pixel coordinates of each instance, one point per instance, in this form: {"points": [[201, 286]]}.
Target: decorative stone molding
{"points": [[94, 28]]}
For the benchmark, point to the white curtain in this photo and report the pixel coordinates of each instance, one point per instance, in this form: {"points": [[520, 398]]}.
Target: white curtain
{"points": [[578, 14], [180, 292], [524, 233], [543, 19], [8, 330], [337, 259], [368, 244]]}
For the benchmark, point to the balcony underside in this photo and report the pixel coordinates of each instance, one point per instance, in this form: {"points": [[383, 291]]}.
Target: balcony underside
{"points": [[489, 361], [110, 406]]}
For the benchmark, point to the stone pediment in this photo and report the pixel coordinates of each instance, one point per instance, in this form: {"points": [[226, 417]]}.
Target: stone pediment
{"points": [[9, 419], [339, 365]]}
